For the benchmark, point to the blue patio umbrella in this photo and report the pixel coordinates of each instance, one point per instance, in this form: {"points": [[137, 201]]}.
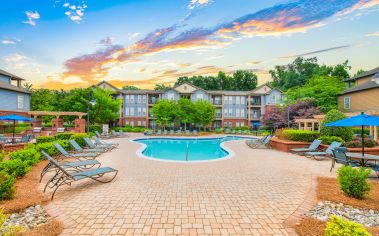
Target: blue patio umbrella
{"points": [[14, 118], [359, 120]]}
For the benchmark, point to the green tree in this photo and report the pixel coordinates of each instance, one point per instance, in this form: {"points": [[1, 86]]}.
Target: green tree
{"points": [[346, 133], [164, 112], [42, 100], [245, 80], [205, 113], [322, 89], [106, 108], [129, 87], [359, 72], [185, 112], [161, 87]]}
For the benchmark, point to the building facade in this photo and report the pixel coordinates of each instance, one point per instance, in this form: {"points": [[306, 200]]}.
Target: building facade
{"points": [[14, 99], [233, 108], [361, 94]]}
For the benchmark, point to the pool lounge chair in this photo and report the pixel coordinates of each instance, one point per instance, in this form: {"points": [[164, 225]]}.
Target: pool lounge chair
{"points": [[194, 133], [227, 131], [115, 134], [159, 132], [179, 133], [101, 135], [339, 156], [239, 131], [233, 131], [165, 132], [66, 177], [79, 165], [102, 143], [24, 139], [79, 149], [188, 133], [245, 132], [90, 155], [262, 143], [149, 132], [312, 147], [122, 134], [93, 146], [172, 132], [323, 154]]}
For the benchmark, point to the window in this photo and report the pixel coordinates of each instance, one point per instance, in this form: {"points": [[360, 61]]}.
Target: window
{"points": [[243, 113], [200, 96], [170, 96], [242, 100], [230, 124], [144, 111], [144, 99], [273, 99], [230, 112], [127, 111], [132, 111], [139, 97], [238, 100], [226, 99], [126, 122], [132, 123], [139, 111], [237, 124], [346, 102], [226, 112], [131, 98], [230, 100], [238, 112], [127, 99], [225, 124], [144, 123], [20, 102], [139, 123]]}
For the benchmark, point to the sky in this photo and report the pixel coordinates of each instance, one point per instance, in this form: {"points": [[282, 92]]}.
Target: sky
{"points": [[65, 44]]}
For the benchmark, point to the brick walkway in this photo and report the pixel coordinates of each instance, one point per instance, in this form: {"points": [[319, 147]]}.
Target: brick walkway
{"points": [[257, 192]]}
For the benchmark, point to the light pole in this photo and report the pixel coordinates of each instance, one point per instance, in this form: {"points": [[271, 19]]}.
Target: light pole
{"points": [[92, 102]]}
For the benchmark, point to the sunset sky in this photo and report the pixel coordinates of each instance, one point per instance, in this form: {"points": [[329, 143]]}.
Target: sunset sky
{"points": [[67, 44]]}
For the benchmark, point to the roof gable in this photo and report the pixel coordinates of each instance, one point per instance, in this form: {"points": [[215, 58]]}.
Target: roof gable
{"points": [[186, 88], [107, 86]]}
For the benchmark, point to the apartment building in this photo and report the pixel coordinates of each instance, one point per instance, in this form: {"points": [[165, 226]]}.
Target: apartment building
{"points": [[233, 108]]}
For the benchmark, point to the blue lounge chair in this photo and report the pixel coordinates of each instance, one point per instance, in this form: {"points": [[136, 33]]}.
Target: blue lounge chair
{"points": [[25, 139], [245, 132], [115, 134], [93, 146], [312, 147], [239, 131], [159, 132], [78, 165], [122, 134], [179, 133], [233, 131], [172, 132], [102, 143], [194, 132], [260, 143], [65, 177], [90, 155], [78, 148], [165, 132], [188, 133], [101, 135], [323, 154], [227, 131]]}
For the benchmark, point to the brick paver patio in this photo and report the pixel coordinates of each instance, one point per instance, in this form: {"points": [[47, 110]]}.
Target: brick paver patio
{"points": [[254, 193]]}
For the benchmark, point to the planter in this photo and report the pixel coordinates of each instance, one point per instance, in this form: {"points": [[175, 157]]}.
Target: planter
{"points": [[12, 147], [286, 146], [373, 150]]}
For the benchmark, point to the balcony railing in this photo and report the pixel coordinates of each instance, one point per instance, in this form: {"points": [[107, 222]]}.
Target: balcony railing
{"points": [[216, 102], [218, 115], [255, 115]]}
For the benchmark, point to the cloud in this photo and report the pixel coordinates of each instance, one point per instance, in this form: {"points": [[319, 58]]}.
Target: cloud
{"points": [[287, 18], [17, 61], [254, 63], [198, 3], [106, 41], [317, 52], [133, 36], [75, 12], [10, 41], [32, 17], [374, 34]]}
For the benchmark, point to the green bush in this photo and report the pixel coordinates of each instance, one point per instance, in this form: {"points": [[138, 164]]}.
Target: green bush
{"points": [[7, 188], [358, 143], [48, 148], [30, 155], [337, 226], [45, 139], [353, 181], [93, 128], [300, 135], [346, 133], [69, 125], [64, 136], [218, 131], [329, 139], [79, 138], [16, 167], [366, 131]]}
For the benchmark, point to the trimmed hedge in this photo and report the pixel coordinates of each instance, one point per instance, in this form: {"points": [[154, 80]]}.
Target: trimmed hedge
{"points": [[358, 143], [300, 135], [7, 189], [329, 139], [79, 138], [64, 136], [45, 139]]}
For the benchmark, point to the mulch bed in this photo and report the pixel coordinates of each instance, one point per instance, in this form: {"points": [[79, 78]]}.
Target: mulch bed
{"points": [[27, 194], [328, 190]]}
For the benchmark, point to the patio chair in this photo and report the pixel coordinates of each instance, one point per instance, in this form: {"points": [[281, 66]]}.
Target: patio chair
{"points": [[122, 134], [239, 131], [115, 134], [339, 156], [245, 132], [89, 155], [78, 148], [194, 133], [179, 133], [93, 146], [323, 154], [165, 132], [233, 131], [102, 143], [24, 139], [265, 143], [66, 177], [79, 165], [227, 131], [188, 133], [312, 147], [159, 132], [3, 139], [101, 135], [172, 132]]}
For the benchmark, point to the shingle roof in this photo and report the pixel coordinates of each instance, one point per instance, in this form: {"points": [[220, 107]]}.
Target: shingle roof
{"points": [[13, 88], [365, 86], [12, 76], [366, 73]]}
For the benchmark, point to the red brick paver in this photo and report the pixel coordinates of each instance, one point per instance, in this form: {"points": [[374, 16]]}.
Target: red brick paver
{"points": [[257, 192]]}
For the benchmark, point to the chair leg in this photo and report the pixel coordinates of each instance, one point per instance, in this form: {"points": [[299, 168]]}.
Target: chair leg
{"points": [[331, 168]]}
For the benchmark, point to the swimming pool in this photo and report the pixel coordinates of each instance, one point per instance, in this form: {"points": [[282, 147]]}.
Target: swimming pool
{"points": [[186, 149]]}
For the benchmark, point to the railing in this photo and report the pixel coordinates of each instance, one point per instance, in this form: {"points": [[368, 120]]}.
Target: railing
{"points": [[216, 102]]}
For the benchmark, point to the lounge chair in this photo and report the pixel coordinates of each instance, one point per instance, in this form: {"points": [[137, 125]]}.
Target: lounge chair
{"points": [[102, 143], [194, 133], [24, 139], [79, 149], [159, 132], [122, 134], [115, 134], [172, 132], [339, 156], [165, 132], [93, 146], [260, 143], [227, 131], [188, 133], [323, 154], [90, 155], [179, 133], [239, 131], [66, 177], [233, 131], [101, 135], [79, 165], [245, 132], [312, 147]]}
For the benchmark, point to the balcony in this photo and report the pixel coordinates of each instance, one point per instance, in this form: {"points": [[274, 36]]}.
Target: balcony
{"points": [[255, 101], [255, 115], [216, 102], [153, 100], [218, 115]]}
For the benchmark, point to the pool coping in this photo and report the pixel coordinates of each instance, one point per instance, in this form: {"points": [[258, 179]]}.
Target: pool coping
{"points": [[230, 152]]}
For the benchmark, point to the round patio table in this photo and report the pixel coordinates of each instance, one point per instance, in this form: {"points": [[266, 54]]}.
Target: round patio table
{"points": [[363, 159]]}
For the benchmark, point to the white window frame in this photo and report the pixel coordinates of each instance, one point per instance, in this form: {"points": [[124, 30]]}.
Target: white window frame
{"points": [[132, 111], [139, 110], [242, 100], [20, 102], [127, 111], [238, 100], [347, 101], [170, 96], [131, 98], [230, 112], [126, 98], [144, 98], [139, 123], [131, 123], [144, 111], [144, 123], [238, 112], [230, 124], [226, 99], [230, 100], [243, 113], [139, 98], [273, 99]]}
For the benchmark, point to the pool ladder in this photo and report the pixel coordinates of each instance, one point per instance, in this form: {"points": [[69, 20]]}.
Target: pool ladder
{"points": [[187, 152]]}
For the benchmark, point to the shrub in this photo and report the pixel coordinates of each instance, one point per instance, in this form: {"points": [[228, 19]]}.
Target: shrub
{"points": [[7, 189], [366, 131], [358, 143], [353, 181], [337, 226], [346, 133], [30, 155], [329, 139], [16, 167], [45, 139], [48, 148], [300, 135], [8, 230], [64, 136], [93, 128], [218, 131], [79, 138]]}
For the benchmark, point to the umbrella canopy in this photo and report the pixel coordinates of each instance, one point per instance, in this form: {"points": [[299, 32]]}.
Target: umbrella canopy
{"points": [[14, 118], [359, 120]]}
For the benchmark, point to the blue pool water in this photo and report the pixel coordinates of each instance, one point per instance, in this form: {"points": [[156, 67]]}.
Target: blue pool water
{"points": [[175, 149]]}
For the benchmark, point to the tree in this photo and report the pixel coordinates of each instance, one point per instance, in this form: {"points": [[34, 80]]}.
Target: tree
{"points": [[274, 118], [301, 70], [359, 72], [28, 86], [205, 113], [164, 112], [185, 112], [245, 80], [346, 133], [322, 89], [106, 108], [129, 87], [161, 87]]}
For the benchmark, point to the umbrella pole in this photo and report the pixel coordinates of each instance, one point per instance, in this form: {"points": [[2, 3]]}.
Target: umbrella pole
{"points": [[363, 141], [14, 128]]}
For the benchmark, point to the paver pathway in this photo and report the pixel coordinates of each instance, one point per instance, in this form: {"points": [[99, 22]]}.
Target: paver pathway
{"points": [[253, 193]]}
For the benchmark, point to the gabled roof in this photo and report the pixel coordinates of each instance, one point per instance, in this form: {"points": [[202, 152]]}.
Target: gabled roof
{"points": [[13, 88], [366, 73], [369, 85], [12, 76], [189, 84], [109, 84]]}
